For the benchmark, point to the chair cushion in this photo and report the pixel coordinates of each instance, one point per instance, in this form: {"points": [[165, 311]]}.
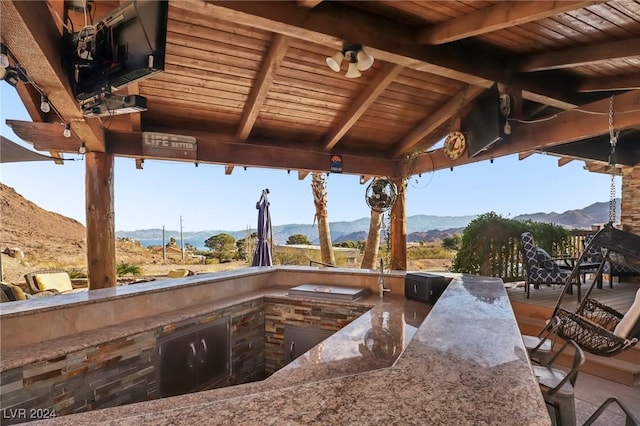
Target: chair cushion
{"points": [[544, 259], [178, 273], [630, 319], [12, 292], [59, 281]]}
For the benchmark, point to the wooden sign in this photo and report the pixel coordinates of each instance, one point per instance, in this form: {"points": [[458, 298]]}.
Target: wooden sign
{"points": [[169, 146]]}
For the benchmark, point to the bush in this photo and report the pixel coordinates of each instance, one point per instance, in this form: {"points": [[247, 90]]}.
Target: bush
{"points": [[75, 273], [490, 236], [124, 268]]}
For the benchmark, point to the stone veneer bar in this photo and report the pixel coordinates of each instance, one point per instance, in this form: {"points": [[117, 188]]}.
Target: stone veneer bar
{"points": [[466, 363]]}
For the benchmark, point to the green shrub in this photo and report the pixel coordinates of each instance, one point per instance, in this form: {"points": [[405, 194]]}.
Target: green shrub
{"points": [[124, 268], [75, 273], [490, 241]]}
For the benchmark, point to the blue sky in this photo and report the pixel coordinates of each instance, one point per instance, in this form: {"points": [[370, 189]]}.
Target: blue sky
{"points": [[207, 199]]}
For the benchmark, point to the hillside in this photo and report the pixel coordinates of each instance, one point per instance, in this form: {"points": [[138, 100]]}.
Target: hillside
{"points": [[49, 240]]}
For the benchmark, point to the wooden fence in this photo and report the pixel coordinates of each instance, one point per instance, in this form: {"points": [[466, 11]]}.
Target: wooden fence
{"points": [[506, 259]]}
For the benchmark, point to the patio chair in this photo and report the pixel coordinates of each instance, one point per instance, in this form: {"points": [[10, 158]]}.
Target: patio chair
{"points": [[557, 386], [540, 268]]}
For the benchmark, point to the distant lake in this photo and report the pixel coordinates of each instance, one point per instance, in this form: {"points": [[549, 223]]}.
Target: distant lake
{"points": [[198, 243]]}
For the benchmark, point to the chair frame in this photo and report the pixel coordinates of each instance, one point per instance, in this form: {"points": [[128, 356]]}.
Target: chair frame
{"points": [[563, 405]]}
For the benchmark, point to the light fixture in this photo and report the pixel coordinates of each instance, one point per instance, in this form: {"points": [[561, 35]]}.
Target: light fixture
{"points": [[67, 133], [335, 61], [4, 57], [10, 75], [44, 104], [352, 71], [358, 60], [364, 61], [83, 149]]}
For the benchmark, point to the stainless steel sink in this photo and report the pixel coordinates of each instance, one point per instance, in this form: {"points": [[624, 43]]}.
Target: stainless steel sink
{"points": [[332, 292]]}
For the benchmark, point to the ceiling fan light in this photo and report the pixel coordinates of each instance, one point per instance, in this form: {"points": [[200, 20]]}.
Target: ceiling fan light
{"points": [[353, 72], [364, 61], [335, 61]]}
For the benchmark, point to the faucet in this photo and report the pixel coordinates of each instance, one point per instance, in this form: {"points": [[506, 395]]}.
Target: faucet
{"points": [[381, 286]]}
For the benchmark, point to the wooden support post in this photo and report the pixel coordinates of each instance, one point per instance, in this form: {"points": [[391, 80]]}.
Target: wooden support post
{"points": [[399, 227], [101, 238]]}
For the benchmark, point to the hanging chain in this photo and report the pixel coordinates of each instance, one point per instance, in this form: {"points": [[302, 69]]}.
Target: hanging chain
{"points": [[613, 139]]}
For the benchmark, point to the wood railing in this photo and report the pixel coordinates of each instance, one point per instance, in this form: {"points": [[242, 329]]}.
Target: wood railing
{"points": [[505, 260]]}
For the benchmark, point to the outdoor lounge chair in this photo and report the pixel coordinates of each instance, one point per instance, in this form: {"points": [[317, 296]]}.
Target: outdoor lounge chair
{"points": [[56, 282], [540, 268]]}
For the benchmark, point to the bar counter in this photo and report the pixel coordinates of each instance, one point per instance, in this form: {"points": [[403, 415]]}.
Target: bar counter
{"points": [[465, 364]]}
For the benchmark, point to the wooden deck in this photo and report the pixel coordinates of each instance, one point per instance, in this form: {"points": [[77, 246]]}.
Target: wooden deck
{"points": [[620, 297]]}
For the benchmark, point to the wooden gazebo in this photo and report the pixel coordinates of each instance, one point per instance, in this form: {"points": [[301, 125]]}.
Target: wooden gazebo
{"points": [[247, 83]]}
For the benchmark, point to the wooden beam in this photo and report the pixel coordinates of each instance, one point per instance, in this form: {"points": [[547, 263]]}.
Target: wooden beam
{"points": [[228, 169], [262, 84], [308, 3], [139, 163], [525, 154], [584, 55], [45, 136], [435, 120], [567, 127], [330, 23], [399, 227], [605, 84], [596, 167], [500, 16], [564, 160], [31, 35], [303, 174], [378, 85], [101, 235], [221, 149]]}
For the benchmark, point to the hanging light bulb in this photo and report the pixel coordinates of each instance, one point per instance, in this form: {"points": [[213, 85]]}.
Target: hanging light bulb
{"points": [[353, 72], [335, 61], [44, 104], [4, 58], [83, 149], [364, 61], [67, 131]]}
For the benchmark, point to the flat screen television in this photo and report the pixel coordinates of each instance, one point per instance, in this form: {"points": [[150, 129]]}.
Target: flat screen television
{"points": [[125, 46], [483, 126]]}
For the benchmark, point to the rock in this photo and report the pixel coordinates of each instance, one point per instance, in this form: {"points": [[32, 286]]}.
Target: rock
{"points": [[14, 252]]}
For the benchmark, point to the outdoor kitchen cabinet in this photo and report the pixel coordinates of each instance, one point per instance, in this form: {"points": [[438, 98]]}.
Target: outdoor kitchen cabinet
{"points": [[299, 339], [192, 359]]}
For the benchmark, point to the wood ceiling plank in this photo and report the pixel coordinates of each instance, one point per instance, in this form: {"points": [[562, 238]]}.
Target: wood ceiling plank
{"points": [[168, 81], [212, 57], [262, 84], [360, 105], [205, 76], [596, 53], [621, 82], [209, 67], [185, 97], [500, 16], [32, 37], [332, 22], [433, 121]]}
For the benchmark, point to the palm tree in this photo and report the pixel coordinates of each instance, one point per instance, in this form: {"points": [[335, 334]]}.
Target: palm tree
{"points": [[373, 241], [319, 191]]}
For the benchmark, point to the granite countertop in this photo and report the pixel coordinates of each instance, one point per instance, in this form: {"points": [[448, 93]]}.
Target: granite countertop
{"points": [[465, 365]]}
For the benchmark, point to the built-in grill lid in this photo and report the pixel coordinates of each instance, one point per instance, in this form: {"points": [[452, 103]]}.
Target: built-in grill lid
{"points": [[324, 291]]}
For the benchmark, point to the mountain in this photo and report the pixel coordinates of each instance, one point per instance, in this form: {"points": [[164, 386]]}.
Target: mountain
{"points": [[419, 227], [595, 213]]}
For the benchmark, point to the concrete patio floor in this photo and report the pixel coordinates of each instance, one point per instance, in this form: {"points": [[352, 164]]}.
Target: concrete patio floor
{"points": [[591, 391]]}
